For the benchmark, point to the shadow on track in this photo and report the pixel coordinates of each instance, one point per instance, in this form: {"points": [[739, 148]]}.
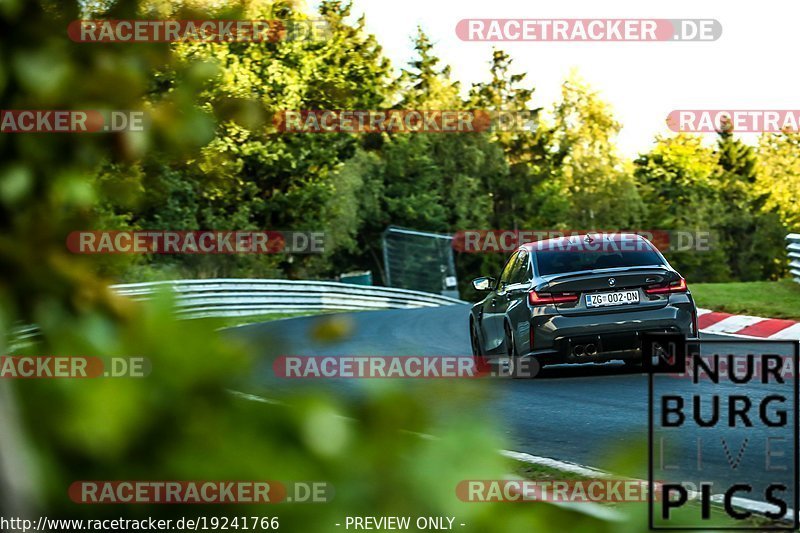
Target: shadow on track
{"points": [[586, 370]]}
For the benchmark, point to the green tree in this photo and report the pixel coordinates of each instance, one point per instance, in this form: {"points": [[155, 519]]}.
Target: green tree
{"points": [[778, 175], [525, 145], [251, 176], [596, 181], [675, 182], [752, 236], [181, 422], [425, 84], [425, 181]]}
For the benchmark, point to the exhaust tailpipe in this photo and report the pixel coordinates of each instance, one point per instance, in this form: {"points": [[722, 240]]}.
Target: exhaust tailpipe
{"points": [[591, 349], [578, 350]]}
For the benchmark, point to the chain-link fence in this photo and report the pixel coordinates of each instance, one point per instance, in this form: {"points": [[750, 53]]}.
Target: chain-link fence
{"points": [[419, 261]]}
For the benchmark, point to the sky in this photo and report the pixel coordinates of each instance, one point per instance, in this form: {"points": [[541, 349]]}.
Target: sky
{"points": [[753, 65]]}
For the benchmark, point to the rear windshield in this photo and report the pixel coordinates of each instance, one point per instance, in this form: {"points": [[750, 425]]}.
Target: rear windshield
{"points": [[560, 261]]}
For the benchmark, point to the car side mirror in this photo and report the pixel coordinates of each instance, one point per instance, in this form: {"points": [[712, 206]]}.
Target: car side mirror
{"points": [[483, 284]]}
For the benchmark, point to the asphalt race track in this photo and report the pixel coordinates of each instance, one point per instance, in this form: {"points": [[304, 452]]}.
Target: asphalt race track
{"points": [[583, 414]]}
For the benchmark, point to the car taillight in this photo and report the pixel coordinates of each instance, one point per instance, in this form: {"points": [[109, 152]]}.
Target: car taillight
{"points": [[547, 298], [675, 286]]}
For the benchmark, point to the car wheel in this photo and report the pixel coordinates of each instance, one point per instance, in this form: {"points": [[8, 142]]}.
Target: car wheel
{"points": [[512, 360], [481, 365]]}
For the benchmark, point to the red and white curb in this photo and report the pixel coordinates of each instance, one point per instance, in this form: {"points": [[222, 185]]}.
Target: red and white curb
{"points": [[747, 326]]}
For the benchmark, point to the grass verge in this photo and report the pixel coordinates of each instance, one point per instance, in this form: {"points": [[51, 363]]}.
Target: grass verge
{"points": [[768, 299]]}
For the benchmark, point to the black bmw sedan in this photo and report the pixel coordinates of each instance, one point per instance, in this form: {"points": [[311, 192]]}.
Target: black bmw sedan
{"points": [[579, 299]]}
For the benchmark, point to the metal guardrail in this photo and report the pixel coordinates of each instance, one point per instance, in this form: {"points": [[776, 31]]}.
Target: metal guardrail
{"points": [[793, 250], [247, 297], [221, 298], [19, 335]]}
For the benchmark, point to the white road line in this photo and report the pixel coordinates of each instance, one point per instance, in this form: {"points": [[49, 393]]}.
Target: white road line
{"points": [[574, 468], [563, 466], [254, 398], [596, 510], [753, 505]]}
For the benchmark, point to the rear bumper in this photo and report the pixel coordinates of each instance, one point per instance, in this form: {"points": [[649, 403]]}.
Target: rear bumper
{"points": [[557, 338]]}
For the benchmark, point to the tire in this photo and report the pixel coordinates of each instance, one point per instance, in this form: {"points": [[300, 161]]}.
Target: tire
{"points": [[481, 365], [514, 370]]}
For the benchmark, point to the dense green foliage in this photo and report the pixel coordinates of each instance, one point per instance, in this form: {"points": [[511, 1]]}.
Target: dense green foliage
{"points": [[193, 167], [211, 160], [563, 173]]}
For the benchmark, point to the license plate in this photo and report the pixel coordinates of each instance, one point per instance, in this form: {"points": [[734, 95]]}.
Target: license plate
{"points": [[605, 299]]}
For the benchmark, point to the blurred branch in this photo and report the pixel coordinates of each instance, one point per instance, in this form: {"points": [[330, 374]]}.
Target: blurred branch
{"points": [[17, 479]]}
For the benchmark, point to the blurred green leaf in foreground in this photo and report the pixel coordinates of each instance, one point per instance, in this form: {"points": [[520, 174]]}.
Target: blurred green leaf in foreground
{"points": [[180, 423]]}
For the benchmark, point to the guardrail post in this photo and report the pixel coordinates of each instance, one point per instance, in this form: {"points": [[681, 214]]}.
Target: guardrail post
{"points": [[793, 252]]}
